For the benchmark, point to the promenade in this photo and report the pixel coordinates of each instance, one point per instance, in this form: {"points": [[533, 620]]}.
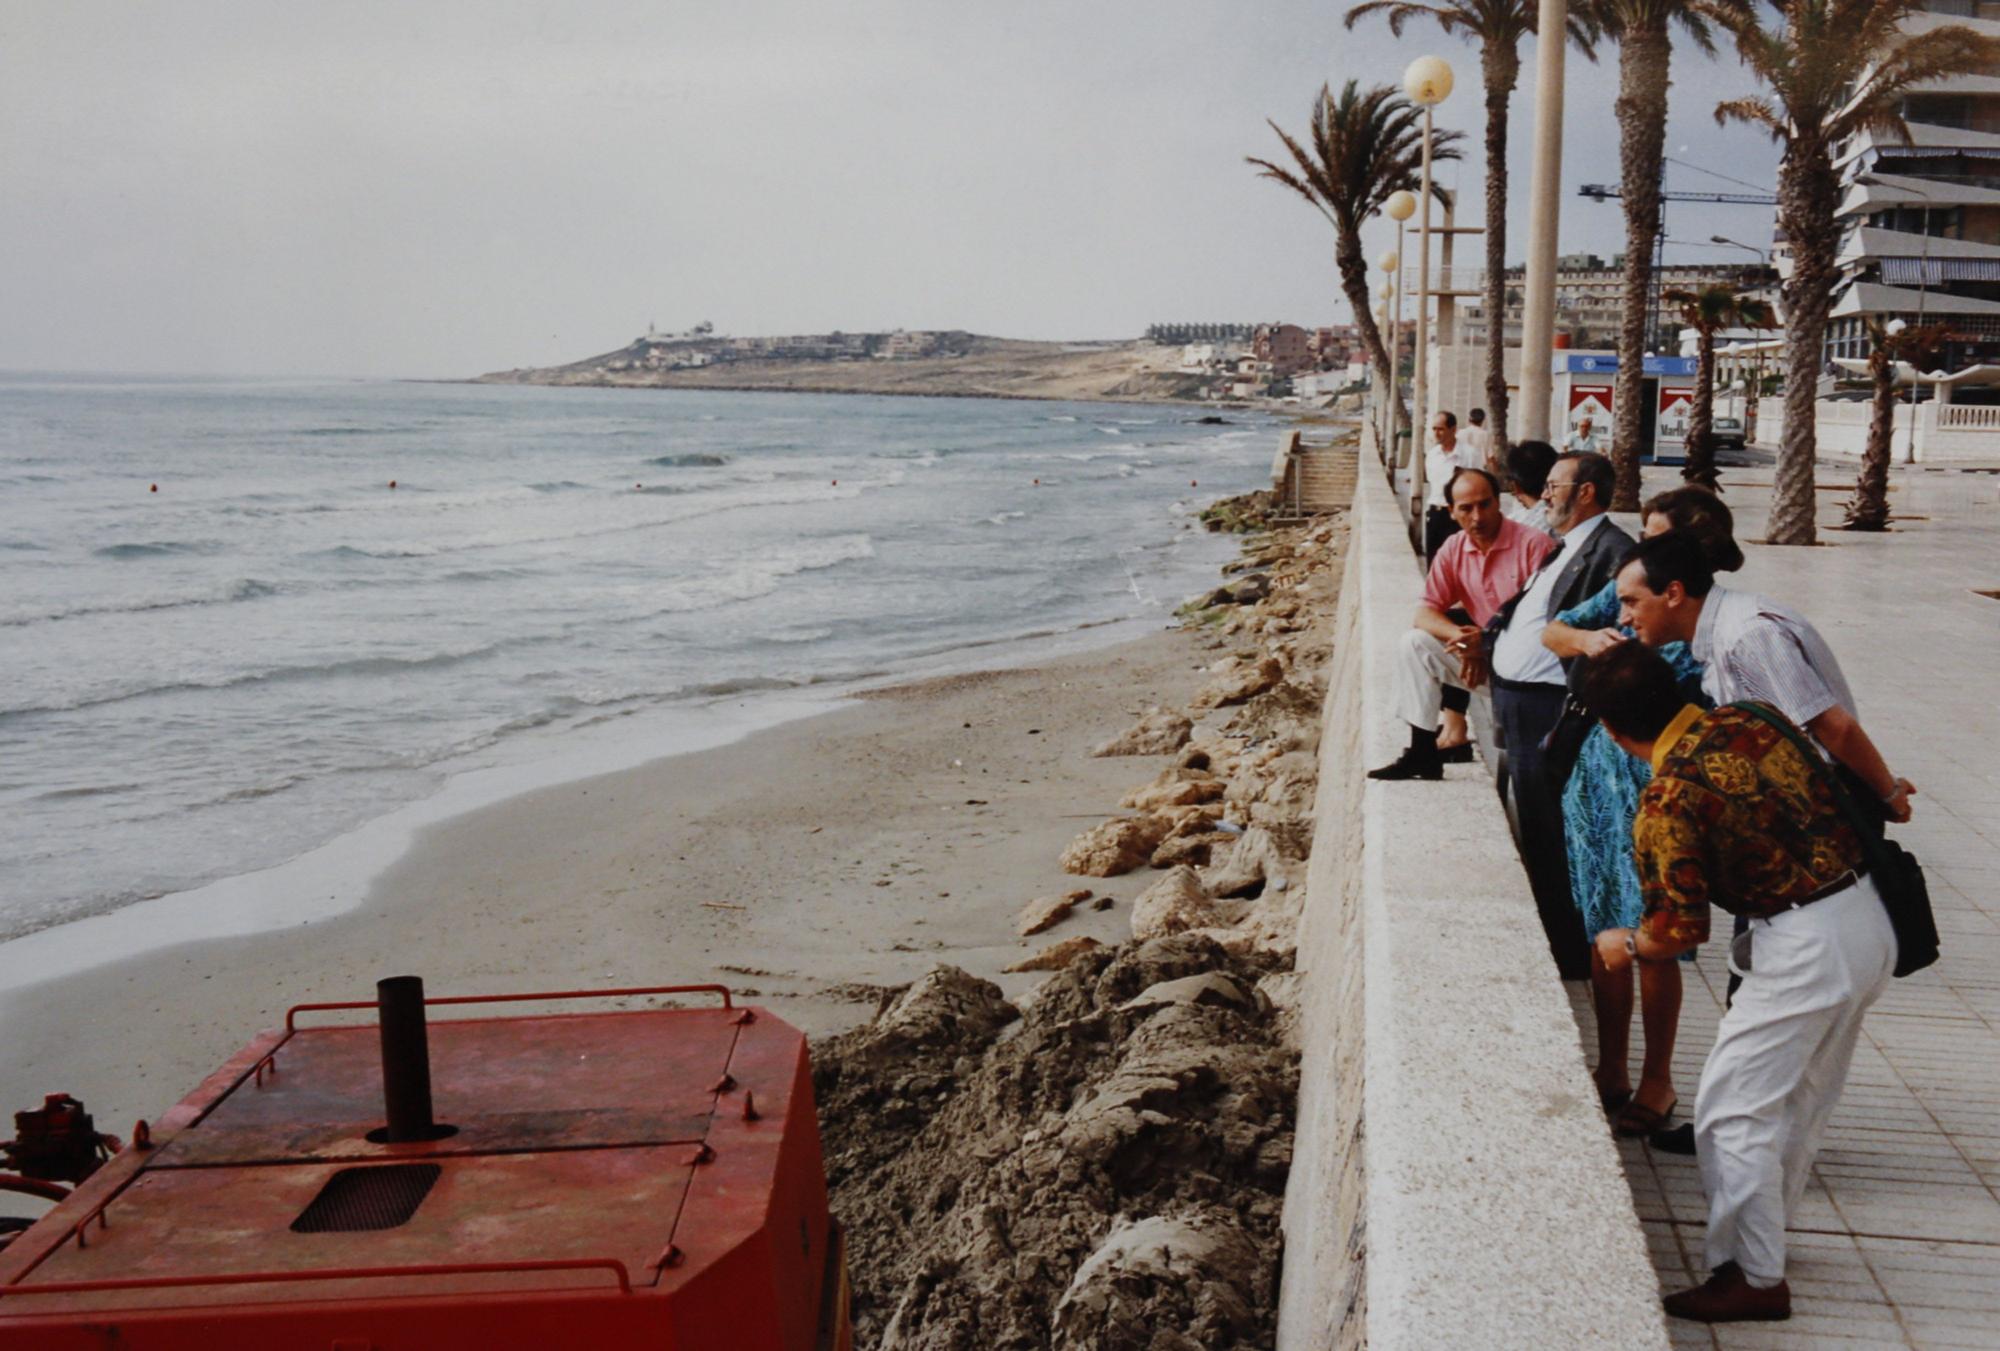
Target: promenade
{"points": [[1898, 1243]]}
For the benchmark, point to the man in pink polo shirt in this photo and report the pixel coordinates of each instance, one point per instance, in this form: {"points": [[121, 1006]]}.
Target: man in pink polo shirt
{"points": [[1478, 570]]}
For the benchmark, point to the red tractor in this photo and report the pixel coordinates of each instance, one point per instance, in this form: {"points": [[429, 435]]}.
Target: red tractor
{"points": [[640, 1178]]}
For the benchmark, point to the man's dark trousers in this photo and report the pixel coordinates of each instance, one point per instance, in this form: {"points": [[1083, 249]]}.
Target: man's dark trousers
{"points": [[1526, 714]]}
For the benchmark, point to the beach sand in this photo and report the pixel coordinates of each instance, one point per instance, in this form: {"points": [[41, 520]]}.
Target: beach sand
{"points": [[807, 866]]}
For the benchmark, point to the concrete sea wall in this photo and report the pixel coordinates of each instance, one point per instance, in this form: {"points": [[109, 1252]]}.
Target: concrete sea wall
{"points": [[1454, 1183]]}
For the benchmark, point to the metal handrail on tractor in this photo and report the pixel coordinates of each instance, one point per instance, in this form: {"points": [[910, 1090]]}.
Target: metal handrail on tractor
{"points": [[291, 1014], [611, 1264]]}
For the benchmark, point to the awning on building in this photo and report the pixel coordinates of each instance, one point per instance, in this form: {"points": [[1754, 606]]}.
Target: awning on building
{"points": [[1935, 271]]}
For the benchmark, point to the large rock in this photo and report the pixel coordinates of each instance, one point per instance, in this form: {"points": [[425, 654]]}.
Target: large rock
{"points": [[1173, 904], [1191, 787], [1166, 1283], [1195, 848], [1256, 862], [1246, 590], [1045, 912], [1245, 682], [1115, 847], [1056, 955], [1159, 732]]}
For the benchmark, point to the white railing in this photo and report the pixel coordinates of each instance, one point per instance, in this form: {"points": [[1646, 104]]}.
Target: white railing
{"points": [[1969, 417]]}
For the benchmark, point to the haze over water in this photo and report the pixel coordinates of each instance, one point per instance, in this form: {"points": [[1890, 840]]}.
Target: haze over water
{"points": [[276, 646]]}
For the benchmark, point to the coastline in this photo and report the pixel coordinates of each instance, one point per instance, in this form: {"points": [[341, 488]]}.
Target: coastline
{"points": [[803, 864]]}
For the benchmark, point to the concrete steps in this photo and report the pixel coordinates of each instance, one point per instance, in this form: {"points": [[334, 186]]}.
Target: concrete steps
{"points": [[1326, 476]]}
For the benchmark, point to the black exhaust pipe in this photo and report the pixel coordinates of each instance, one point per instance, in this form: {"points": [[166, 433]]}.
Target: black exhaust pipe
{"points": [[406, 1061]]}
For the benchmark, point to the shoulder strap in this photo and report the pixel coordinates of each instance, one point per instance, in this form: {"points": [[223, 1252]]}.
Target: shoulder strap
{"points": [[1816, 764]]}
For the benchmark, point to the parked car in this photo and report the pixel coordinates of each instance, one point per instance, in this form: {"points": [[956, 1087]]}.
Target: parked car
{"points": [[1726, 433]]}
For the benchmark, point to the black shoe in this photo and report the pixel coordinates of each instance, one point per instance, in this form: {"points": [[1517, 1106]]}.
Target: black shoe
{"points": [[1674, 1140], [1456, 755], [1411, 764]]}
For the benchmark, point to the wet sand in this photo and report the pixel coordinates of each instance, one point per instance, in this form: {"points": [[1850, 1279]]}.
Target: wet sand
{"points": [[808, 867]]}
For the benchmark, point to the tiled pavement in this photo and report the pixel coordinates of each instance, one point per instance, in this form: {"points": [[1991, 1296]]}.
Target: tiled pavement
{"points": [[1898, 1239]]}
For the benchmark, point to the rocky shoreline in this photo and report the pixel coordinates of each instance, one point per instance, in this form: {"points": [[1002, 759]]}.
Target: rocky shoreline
{"points": [[1101, 1162]]}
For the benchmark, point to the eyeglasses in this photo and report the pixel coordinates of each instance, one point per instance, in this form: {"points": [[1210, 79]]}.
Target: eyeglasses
{"points": [[1551, 486]]}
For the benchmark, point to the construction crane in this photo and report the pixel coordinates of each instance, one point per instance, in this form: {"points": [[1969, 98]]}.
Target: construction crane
{"points": [[1604, 192]]}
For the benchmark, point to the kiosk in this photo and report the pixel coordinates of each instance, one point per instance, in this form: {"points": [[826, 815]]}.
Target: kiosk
{"points": [[1584, 388]]}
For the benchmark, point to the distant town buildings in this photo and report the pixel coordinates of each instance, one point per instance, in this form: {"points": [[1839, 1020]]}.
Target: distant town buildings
{"points": [[1590, 297], [702, 346], [1922, 218]]}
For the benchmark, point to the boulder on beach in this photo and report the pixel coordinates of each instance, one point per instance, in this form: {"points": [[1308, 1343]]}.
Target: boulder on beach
{"points": [[1164, 1282], [1045, 912], [1173, 904], [1175, 788], [1246, 681], [1255, 862], [1115, 847], [1056, 955], [1159, 732]]}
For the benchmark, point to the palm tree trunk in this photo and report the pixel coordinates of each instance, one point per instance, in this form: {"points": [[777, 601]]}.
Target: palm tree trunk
{"points": [[1807, 190], [1700, 466], [1870, 508], [1643, 54], [1500, 67], [1353, 270]]}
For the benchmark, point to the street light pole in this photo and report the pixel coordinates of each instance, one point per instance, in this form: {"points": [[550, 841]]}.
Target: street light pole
{"points": [[1538, 318], [1428, 83], [1399, 208]]}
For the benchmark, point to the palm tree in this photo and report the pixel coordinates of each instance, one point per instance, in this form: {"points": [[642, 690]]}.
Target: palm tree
{"points": [[1365, 146], [1498, 27], [1708, 311], [1644, 53], [1869, 509], [1834, 69]]}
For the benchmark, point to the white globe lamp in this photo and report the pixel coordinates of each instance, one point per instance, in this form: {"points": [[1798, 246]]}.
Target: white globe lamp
{"points": [[1401, 205], [1427, 81]]}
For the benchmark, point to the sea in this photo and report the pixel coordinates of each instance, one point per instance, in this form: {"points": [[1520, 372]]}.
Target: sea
{"points": [[241, 618]]}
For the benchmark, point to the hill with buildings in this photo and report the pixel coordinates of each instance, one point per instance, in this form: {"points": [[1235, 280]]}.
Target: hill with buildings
{"points": [[957, 363]]}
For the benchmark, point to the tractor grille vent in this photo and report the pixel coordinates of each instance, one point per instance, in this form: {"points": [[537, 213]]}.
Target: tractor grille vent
{"points": [[355, 1199]]}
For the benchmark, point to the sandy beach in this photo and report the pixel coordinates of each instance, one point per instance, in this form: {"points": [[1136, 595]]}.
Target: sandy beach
{"points": [[808, 866]]}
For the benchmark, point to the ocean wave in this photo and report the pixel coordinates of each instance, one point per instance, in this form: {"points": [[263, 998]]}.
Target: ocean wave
{"points": [[92, 790], [157, 549], [693, 459], [558, 486], [1001, 518], [274, 675], [355, 551], [247, 589], [758, 577]]}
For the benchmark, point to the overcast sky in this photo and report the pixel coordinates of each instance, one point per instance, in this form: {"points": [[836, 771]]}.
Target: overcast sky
{"points": [[445, 188]]}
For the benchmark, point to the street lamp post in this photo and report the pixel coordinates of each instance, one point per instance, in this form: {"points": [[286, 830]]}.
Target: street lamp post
{"points": [[1400, 206], [1538, 317], [1385, 415], [1894, 328], [1750, 391], [1427, 81]]}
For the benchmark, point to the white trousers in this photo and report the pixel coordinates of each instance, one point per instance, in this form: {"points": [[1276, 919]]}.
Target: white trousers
{"points": [[1423, 669], [1780, 1060]]}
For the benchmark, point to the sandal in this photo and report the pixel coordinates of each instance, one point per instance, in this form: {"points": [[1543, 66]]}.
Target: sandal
{"points": [[1637, 1119], [1613, 1103]]}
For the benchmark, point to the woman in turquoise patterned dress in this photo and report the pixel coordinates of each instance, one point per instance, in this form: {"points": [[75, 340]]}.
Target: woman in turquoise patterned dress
{"points": [[1599, 801]]}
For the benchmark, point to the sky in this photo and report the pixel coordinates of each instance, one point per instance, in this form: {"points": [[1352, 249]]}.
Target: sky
{"points": [[441, 189]]}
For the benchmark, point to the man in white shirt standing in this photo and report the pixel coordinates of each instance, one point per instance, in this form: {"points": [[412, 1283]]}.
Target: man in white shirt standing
{"points": [[1529, 685], [1584, 437], [1446, 454], [1478, 438]]}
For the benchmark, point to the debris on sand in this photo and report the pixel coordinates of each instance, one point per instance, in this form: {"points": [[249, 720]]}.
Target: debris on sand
{"points": [[1109, 1172]]}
